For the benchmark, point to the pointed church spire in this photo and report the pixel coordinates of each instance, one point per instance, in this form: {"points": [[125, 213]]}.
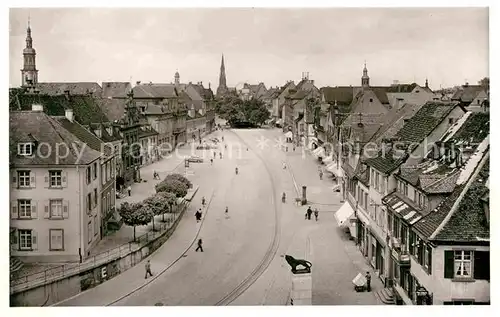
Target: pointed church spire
{"points": [[29, 73], [365, 80], [222, 78]]}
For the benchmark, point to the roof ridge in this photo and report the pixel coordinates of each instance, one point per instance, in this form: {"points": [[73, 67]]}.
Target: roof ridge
{"points": [[457, 202]]}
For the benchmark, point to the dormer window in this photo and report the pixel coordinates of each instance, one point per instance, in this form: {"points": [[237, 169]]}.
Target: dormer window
{"points": [[25, 149]]}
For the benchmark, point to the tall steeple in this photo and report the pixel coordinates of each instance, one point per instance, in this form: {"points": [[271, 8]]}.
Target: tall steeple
{"points": [[29, 73], [177, 78], [365, 80], [222, 79]]}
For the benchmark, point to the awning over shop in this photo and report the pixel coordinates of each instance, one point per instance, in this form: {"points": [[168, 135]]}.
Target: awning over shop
{"points": [[289, 134], [343, 214], [319, 152], [336, 170]]}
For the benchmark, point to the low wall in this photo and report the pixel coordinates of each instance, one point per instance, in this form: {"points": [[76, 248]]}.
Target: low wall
{"points": [[65, 288]]}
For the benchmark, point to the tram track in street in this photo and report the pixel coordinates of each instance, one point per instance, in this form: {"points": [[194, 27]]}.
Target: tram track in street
{"points": [[171, 264], [270, 252]]}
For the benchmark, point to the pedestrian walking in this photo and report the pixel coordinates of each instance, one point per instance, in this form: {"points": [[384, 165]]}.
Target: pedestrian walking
{"points": [[200, 245], [148, 269], [129, 190], [198, 215], [203, 201], [316, 214], [293, 148], [227, 211], [220, 155], [368, 281], [211, 161], [321, 175], [286, 148], [309, 213], [283, 197]]}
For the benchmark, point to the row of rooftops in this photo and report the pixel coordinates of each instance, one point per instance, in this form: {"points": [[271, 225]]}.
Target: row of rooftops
{"points": [[456, 170]]}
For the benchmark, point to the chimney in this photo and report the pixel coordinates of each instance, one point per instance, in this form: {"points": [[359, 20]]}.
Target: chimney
{"points": [[68, 113], [36, 107], [138, 82]]}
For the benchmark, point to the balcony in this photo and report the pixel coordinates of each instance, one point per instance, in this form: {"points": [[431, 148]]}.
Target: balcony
{"points": [[401, 256]]}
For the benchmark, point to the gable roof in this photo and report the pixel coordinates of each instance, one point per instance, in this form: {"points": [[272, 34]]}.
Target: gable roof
{"points": [[185, 98], [115, 89], [75, 88], [83, 135], [43, 128], [342, 95], [395, 120], [381, 94], [86, 109], [425, 121], [467, 93], [155, 91]]}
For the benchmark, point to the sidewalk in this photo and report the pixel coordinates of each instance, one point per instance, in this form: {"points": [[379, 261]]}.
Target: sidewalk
{"points": [[335, 258]]}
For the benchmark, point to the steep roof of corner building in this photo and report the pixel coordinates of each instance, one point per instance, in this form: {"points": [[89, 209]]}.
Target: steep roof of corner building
{"points": [[43, 128], [75, 88], [467, 93], [86, 109], [467, 223], [83, 135], [189, 102], [151, 90], [425, 121], [115, 89], [201, 91]]}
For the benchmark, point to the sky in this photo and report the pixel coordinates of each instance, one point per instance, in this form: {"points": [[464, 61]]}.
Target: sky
{"points": [[449, 46]]}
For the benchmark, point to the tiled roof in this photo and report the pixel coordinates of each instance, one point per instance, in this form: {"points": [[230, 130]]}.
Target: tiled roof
{"points": [[341, 95], [381, 93], [468, 222], [155, 91], [105, 136], [45, 129], [300, 94], [425, 121], [113, 108], [83, 135], [150, 108], [188, 101], [115, 89], [80, 88], [401, 206], [387, 162], [467, 93], [405, 88], [86, 109], [394, 121], [474, 130]]}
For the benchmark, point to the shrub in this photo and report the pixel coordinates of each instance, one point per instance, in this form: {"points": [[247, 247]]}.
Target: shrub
{"points": [[176, 187], [179, 178]]}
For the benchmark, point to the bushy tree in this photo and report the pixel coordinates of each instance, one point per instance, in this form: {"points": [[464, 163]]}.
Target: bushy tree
{"points": [[180, 178], [173, 186], [136, 214], [235, 111], [161, 203]]}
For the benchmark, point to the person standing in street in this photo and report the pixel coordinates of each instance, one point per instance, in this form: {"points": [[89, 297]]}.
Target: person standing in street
{"points": [[368, 281], [198, 215], [200, 246], [203, 201], [148, 269], [316, 214], [129, 190], [320, 175], [211, 161], [309, 213], [227, 211], [220, 155]]}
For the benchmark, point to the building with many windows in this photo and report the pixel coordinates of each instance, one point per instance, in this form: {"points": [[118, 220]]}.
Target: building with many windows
{"points": [[54, 192]]}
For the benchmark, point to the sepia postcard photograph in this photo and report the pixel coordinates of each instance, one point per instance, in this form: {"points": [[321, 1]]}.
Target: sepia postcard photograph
{"points": [[248, 156]]}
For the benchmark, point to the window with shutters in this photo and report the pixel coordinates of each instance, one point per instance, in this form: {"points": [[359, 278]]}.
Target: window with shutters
{"points": [[24, 208], [23, 179], [25, 239], [463, 263], [25, 149], [56, 208], [56, 242], [55, 178]]}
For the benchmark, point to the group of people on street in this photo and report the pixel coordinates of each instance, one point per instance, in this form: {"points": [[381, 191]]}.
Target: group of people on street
{"points": [[309, 212]]}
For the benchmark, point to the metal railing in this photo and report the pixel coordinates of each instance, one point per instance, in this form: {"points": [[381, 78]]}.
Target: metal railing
{"points": [[19, 283]]}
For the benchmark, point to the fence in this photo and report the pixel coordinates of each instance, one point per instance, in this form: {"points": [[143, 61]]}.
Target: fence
{"points": [[60, 272]]}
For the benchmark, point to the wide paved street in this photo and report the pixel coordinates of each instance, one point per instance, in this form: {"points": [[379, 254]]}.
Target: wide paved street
{"points": [[235, 245]]}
